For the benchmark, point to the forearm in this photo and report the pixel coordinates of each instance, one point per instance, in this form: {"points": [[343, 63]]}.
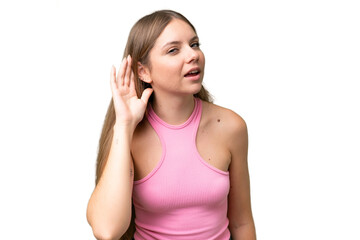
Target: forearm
{"points": [[243, 232], [109, 209]]}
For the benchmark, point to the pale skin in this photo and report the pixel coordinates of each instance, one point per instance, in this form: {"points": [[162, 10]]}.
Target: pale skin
{"points": [[221, 140]]}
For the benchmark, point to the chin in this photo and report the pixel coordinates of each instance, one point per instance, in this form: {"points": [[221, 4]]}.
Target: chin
{"points": [[196, 89]]}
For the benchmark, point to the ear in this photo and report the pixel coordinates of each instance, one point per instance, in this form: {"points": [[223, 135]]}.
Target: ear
{"points": [[144, 73]]}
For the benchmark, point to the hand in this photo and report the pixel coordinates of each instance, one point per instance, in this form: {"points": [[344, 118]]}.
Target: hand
{"points": [[129, 108]]}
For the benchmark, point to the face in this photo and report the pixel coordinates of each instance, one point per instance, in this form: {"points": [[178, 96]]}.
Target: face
{"points": [[176, 61]]}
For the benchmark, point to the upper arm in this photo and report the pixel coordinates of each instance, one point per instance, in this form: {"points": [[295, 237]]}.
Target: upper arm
{"points": [[239, 205]]}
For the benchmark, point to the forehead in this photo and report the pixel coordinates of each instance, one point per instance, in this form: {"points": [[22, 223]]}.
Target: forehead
{"points": [[176, 30]]}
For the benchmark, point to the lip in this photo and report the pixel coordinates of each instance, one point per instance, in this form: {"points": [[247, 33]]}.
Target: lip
{"points": [[193, 77], [193, 69]]}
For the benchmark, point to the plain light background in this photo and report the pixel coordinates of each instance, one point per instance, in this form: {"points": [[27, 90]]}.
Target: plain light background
{"points": [[291, 69]]}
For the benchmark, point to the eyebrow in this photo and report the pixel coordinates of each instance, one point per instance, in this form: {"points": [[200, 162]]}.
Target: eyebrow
{"points": [[178, 42]]}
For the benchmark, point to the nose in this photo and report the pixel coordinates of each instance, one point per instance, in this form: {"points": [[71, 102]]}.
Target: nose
{"points": [[192, 55]]}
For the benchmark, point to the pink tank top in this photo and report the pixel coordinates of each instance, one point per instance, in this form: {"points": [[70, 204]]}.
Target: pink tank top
{"points": [[183, 198]]}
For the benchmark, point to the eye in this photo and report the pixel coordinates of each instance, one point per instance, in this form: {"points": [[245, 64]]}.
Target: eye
{"points": [[195, 45], [173, 50]]}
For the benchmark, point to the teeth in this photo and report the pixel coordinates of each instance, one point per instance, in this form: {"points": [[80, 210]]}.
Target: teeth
{"points": [[192, 72]]}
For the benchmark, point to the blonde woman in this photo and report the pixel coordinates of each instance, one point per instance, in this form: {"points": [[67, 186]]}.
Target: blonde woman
{"points": [[171, 164]]}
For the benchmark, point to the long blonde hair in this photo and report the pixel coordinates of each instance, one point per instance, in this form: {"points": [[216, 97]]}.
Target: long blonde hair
{"points": [[141, 40]]}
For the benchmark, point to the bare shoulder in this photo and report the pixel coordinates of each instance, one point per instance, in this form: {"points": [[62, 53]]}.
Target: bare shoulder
{"points": [[229, 121], [229, 128]]}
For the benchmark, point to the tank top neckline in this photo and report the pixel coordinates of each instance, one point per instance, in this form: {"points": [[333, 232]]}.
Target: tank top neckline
{"points": [[154, 116]]}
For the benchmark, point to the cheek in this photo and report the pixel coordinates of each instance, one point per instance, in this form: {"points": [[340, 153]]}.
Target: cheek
{"points": [[202, 58], [163, 68], [168, 68]]}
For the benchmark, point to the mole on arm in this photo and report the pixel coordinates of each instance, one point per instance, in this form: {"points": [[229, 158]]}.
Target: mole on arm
{"points": [[218, 120]]}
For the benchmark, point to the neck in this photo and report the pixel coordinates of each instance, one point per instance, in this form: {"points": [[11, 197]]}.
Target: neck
{"points": [[174, 110]]}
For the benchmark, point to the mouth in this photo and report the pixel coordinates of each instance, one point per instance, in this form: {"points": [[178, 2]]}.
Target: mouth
{"points": [[193, 72]]}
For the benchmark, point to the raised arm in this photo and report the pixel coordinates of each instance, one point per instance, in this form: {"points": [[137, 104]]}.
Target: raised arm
{"points": [[109, 207]]}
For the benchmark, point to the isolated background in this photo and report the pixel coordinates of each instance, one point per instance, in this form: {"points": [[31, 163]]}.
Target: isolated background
{"points": [[291, 69]]}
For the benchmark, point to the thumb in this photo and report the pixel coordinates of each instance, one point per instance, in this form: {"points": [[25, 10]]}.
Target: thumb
{"points": [[146, 95]]}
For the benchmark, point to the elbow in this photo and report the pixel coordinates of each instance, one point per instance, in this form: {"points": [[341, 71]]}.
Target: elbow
{"points": [[107, 227], [101, 235], [107, 233]]}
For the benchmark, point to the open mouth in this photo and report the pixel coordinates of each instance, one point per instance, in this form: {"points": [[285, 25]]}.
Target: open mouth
{"points": [[192, 73]]}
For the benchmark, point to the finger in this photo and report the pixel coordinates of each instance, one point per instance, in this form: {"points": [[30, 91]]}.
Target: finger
{"points": [[128, 71], [121, 73], [113, 77], [132, 81], [146, 95]]}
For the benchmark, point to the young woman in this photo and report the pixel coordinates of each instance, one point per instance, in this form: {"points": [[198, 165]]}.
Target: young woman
{"points": [[171, 164]]}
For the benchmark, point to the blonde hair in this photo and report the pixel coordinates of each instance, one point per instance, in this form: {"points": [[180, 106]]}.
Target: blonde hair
{"points": [[141, 40]]}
